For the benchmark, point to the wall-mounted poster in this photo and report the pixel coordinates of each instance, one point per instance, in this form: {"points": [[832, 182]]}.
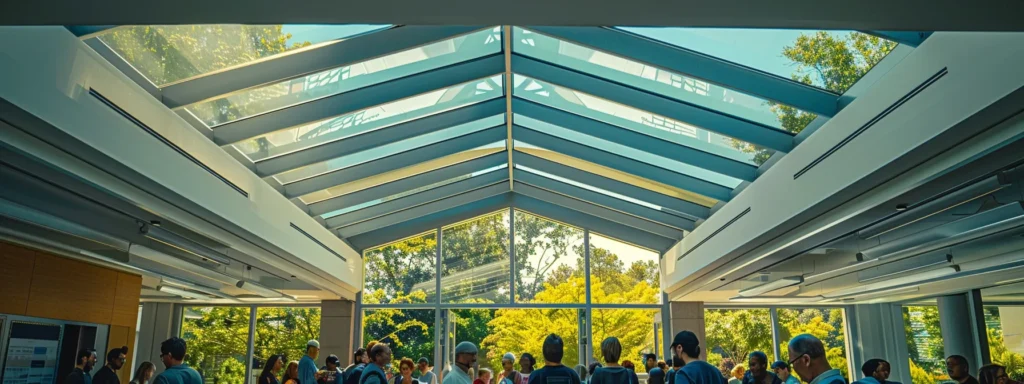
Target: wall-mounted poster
{"points": [[31, 353]]}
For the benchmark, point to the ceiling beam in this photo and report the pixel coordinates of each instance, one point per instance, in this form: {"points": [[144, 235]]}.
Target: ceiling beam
{"points": [[422, 210]]}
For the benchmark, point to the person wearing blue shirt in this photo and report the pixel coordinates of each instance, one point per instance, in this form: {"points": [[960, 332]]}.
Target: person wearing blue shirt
{"points": [[807, 357], [374, 373], [612, 372], [781, 370], [307, 365], [172, 354], [686, 346]]}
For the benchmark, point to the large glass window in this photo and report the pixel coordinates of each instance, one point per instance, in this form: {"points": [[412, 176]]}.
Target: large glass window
{"points": [[218, 342], [924, 343], [283, 330], [401, 272], [827, 324], [622, 273], [732, 334], [475, 262], [524, 330], [549, 261], [1006, 338], [409, 332]]}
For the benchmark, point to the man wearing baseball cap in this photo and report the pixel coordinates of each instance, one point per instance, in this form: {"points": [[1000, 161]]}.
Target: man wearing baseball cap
{"points": [[307, 366], [686, 346], [426, 375], [465, 357]]}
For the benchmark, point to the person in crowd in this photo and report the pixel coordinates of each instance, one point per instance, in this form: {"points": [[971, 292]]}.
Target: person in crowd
{"points": [[781, 370], [612, 372], [959, 370], [993, 374], [663, 365], [628, 364], [108, 372], [553, 370], [650, 361], [738, 371], [380, 358], [291, 374], [581, 371], [508, 374], [359, 360], [426, 375], [757, 372], [332, 373], [84, 361], [307, 365], [670, 376], [271, 369], [807, 357], [686, 346], [144, 373], [484, 378], [876, 371], [656, 376], [405, 368], [592, 368], [526, 365], [465, 357], [172, 354]]}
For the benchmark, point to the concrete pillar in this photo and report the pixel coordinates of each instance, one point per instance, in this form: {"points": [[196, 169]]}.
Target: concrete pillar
{"points": [[963, 328], [160, 321], [336, 320], [687, 316], [876, 331]]}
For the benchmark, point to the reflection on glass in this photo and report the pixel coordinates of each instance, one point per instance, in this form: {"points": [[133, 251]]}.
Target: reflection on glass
{"points": [[343, 79], [524, 330], [631, 118], [382, 116], [646, 77], [732, 334], [168, 53], [282, 330], [409, 332], [628, 152], [474, 260], [549, 258], [218, 341], [1006, 338], [371, 154], [622, 273], [924, 343], [401, 272], [633, 327], [588, 187], [826, 324]]}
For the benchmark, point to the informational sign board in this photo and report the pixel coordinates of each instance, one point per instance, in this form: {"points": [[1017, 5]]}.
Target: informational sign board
{"points": [[31, 353]]}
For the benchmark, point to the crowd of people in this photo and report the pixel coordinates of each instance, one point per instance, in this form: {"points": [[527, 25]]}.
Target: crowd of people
{"points": [[373, 365]]}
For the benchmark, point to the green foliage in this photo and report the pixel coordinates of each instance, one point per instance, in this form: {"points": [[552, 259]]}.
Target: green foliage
{"points": [[1014, 362], [919, 376], [734, 333], [231, 372]]}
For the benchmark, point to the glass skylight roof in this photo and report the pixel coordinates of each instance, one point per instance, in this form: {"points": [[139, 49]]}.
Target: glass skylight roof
{"points": [[317, 157]]}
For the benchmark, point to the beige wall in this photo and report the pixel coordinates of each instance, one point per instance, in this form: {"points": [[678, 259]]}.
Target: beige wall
{"points": [[688, 316], [336, 318]]}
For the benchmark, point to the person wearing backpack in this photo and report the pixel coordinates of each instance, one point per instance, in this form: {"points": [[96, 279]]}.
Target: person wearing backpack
{"points": [[509, 375]]}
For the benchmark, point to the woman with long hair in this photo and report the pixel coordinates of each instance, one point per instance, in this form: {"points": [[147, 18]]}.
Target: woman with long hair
{"points": [[271, 369], [144, 373], [291, 374], [993, 374]]}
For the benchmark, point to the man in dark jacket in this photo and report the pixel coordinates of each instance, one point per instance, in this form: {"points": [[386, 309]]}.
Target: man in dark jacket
{"points": [[84, 361], [108, 373]]}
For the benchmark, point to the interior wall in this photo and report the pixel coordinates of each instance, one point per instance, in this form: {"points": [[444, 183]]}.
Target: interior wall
{"points": [[40, 284]]}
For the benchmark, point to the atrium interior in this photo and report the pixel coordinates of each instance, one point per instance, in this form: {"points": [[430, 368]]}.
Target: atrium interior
{"points": [[252, 180]]}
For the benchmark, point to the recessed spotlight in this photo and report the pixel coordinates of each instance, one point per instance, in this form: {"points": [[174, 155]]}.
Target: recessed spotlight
{"points": [[901, 207]]}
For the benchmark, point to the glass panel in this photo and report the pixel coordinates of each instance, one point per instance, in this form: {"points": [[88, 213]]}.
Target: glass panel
{"points": [[168, 53], [295, 139], [410, 192], [218, 342], [386, 150], [401, 272], [343, 79], [523, 331], [631, 118], [475, 263], [549, 261], [633, 327], [826, 324], [283, 330], [474, 325], [732, 334], [409, 332], [832, 60], [622, 273], [629, 152], [924, 343], [588, 187], [642, 76], [1006, 338]]}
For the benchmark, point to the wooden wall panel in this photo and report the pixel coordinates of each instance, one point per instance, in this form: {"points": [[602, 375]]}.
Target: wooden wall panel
{"points": [[126, 300], [16, 266], [118, 336], [71, 290]]}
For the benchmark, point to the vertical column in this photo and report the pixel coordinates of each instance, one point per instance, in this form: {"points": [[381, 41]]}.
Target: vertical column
{"points": [[512, 255], [587, 332], [688, 316], [251, 348], [157, 324], [877, 331], [774, 313], [336, 329], [963, 328], [666, 326], [441, 326]]}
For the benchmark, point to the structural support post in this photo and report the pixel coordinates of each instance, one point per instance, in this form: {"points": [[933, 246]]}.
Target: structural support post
{"points": [[440, 321], [877, 331], [667, 332], [963, 328], [157, 324], [775, 333], [337, 328], [251, 347], [587, 332], [512, 255]]}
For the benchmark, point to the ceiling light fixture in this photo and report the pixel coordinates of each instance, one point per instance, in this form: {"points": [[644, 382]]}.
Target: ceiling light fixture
{"points": [[906, 265], [179, 292], [777, 299], [772, 286], [184, 244], [895, 282], [284, 298], [259, 289]]}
